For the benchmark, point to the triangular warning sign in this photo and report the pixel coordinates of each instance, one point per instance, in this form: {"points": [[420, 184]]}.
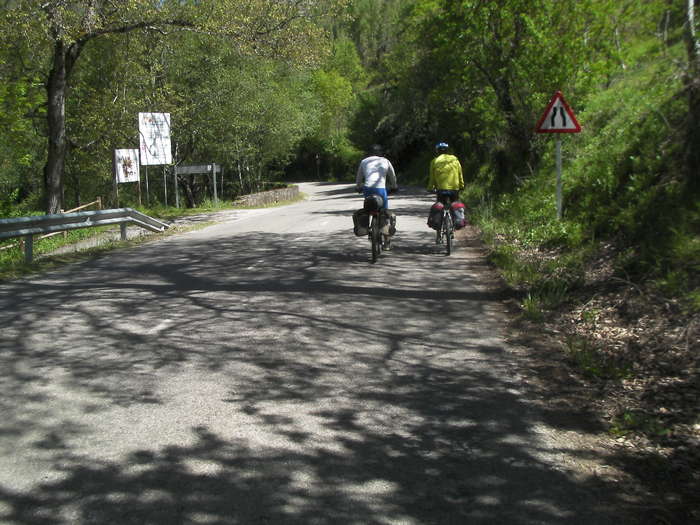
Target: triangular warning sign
{"points": [[558, 117]]}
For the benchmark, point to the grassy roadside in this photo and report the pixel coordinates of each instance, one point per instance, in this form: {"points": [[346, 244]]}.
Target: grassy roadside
{"points": [[15, 267], [12, 265], [631, 354]]}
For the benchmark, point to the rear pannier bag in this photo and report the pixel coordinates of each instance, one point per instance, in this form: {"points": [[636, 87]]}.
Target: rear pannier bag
{"points": [[435, 216], [360, 220], [373, 202], [458, 217]]}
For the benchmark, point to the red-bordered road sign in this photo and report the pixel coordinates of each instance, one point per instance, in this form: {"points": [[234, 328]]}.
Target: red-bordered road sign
{"points": [[558, 117]]}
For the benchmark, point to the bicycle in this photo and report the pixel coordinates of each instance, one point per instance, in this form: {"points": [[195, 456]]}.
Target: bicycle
{"points": [[373, 206], [447, 229]]}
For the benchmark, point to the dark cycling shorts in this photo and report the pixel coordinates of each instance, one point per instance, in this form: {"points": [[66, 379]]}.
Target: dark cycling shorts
{"points": [[447, 197]]}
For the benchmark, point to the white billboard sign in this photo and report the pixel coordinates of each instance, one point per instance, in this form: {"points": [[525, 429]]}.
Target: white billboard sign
{"points": [[126, 165], [154, 131]]}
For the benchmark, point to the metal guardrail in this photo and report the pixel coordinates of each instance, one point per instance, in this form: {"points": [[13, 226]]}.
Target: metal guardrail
{"points": [[27, 227], [98, 202]]}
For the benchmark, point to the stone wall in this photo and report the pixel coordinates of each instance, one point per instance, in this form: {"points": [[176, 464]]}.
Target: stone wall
{"points": [[269, 197]]}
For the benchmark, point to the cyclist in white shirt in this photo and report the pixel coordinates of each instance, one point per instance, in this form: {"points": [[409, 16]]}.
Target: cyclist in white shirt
{"points": [[375, 174]]}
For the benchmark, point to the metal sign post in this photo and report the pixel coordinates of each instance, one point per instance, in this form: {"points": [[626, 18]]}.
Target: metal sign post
{"points": [[213, 179], [559, 190], [558, 118], [116, 188], [221, 170], [148, 199], [177, 195], [165, 185]]}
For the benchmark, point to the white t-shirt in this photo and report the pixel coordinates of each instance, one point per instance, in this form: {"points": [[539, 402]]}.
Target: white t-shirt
{"points": [[374, 171]]}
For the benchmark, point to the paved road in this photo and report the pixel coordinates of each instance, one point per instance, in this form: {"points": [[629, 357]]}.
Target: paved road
{"points": [[263, 371]]}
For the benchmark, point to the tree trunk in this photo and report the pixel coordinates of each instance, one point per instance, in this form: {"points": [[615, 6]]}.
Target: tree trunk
{"points": [[520, 153], [56, 116], [63, 59], [692, 144], [188, 186]]}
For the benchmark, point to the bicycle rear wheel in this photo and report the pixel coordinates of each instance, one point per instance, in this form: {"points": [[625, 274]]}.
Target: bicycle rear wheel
{"points": [[448, 232]]}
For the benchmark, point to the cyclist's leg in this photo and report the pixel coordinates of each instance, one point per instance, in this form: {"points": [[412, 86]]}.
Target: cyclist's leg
{"points": [[375, 237], [387, 237], [382, 192], [367, 191], [448, 232]]}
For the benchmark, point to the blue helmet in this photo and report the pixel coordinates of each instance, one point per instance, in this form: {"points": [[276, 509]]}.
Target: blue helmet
{"points": [[441, 146]]}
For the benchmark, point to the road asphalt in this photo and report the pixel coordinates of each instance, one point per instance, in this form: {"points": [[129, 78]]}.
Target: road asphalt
{"points": [[262, 370]]}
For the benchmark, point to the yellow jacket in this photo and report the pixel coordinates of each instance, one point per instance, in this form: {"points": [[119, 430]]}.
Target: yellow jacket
{"points": [[445, 173]]}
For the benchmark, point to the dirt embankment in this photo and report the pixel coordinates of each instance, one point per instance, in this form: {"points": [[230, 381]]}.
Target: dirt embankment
{"points": [[629, 358]]}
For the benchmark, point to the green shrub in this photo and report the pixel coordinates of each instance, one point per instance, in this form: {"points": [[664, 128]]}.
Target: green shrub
{"points": [[622, 184], [632, 421], [594, 363]]}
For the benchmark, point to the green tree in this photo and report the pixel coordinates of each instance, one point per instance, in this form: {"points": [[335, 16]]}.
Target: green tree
{"points": [[246, 112], [63, 29], [374, 27], [479, 73], [336, 95]]}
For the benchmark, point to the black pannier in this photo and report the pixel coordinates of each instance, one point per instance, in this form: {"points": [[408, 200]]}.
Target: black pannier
{"points": [[373, 202], [360, 220]]}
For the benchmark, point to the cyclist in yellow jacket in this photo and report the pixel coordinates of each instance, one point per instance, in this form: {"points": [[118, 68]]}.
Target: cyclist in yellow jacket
{"points": [[445, 175]]}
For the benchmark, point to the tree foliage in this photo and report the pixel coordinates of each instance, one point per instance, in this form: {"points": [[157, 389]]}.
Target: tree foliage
{"points": [[58, 32]]}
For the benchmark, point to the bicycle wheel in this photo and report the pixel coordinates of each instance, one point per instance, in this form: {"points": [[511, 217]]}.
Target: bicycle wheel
{"points": [[376, 238], [448, 228]]}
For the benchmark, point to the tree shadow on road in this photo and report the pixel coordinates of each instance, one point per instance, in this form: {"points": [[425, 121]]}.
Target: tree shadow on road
{"points": [[383, 395]]}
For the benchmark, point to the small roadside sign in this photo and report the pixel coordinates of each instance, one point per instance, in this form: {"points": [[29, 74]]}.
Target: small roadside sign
{"points": [[558, 117], [126, 165]]}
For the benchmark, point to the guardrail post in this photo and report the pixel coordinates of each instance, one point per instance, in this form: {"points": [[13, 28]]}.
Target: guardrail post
{"points": [[28, 248], [123, 230], [177, 195], [65, 233]]}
